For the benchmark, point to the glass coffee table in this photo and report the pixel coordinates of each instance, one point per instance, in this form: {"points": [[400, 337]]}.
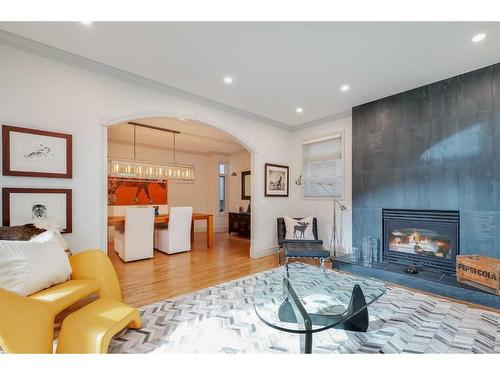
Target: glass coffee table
{"points": [[309, 300]]}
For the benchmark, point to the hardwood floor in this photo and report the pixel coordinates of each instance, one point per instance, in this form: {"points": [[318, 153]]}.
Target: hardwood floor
{"points": [[164, 276]]}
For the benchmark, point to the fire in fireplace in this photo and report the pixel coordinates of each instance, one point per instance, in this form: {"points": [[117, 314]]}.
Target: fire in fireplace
{"points": [[420, 241], [428, 239]]}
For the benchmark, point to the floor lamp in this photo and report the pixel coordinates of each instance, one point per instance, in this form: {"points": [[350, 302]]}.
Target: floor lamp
{"points": [[334, 239]]}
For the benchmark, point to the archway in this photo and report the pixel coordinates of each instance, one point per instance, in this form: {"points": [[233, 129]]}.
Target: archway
{"points": [[144, 118]]}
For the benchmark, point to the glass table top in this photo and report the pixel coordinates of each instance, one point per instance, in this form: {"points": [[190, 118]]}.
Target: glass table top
{"points": [[327, 298]]}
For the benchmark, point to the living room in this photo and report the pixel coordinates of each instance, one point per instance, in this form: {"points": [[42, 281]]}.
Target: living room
{"points": [[168, 190]]}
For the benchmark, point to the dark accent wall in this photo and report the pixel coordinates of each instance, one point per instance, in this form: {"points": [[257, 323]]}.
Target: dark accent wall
{"points": [[434, 147]]}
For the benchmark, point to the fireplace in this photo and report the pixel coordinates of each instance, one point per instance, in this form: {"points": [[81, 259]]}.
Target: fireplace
{"points": [[428, 239]]}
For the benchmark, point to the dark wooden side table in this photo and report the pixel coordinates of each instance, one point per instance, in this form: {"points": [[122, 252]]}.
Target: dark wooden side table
{"points": [[239, 223]]}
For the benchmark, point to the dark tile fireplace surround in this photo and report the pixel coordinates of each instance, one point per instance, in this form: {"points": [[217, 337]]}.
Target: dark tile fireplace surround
{"points": [[431, 150]]}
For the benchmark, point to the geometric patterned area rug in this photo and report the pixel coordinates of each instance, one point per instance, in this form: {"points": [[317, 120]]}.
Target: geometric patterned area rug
{"points": [[221, 319]]}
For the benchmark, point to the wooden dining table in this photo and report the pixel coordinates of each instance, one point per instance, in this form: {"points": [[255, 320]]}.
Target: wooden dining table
{"points": [[119, 221]]}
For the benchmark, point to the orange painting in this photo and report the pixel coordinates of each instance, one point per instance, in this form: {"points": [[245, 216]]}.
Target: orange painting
{"points": [[124, 192]]}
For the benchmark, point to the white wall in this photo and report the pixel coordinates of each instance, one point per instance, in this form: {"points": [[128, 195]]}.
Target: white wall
{"points": [[210, 185], [322, 208], [42, 93]]}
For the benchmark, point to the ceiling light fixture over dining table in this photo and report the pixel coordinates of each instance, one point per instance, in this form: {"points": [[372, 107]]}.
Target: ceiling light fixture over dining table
{"points": [[148, 171]]}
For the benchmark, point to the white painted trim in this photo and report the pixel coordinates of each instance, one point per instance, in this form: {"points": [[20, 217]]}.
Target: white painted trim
{"points": [[253, 234], [321, 139], [105, 123], [103, 166], [259, 253], [322, 120], [226, 190], [193, 116]]}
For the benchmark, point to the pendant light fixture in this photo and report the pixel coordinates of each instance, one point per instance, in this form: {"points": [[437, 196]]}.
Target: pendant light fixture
{"points": [[135, 169]]}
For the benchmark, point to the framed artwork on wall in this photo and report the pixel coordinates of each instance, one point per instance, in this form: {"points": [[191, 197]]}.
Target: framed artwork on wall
{"points": [[246, 185], [132, 191], [276, 180], [27, 205], [36, 153]]}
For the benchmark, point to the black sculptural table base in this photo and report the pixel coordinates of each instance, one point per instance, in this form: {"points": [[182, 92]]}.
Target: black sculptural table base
{"points": [[355, 318]]}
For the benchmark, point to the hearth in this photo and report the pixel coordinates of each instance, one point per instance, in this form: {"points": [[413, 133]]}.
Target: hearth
{"points": [[427, 239]]}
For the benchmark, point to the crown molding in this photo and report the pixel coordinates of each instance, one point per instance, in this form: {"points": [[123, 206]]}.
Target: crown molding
{"points": [[44, 50], [322, 120]]}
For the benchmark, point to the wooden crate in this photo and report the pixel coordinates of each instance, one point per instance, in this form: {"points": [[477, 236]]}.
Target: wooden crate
{"points": [[479, 271]]}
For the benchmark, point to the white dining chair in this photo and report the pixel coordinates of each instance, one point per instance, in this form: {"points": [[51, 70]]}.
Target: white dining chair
{"points": [[177, 237], [136, 241]]}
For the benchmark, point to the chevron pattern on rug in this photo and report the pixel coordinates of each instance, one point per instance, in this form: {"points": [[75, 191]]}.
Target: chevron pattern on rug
{"points": [[222, 319]]}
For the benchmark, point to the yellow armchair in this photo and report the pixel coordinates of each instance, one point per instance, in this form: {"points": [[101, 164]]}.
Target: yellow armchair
{"points": [[27, 323], [93, 264]]}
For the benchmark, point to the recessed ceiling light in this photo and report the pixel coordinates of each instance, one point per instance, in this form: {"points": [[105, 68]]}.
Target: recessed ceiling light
{"points": [[299, 110], [479, 37], [86, 23], [344, 88], [228, 80]]}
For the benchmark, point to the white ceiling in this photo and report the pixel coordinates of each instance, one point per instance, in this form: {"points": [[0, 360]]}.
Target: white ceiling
{"points": [[277, 67], [195, 137]]}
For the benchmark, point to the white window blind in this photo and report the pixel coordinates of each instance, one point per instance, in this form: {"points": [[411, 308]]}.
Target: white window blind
{"points": [[323, 167]]}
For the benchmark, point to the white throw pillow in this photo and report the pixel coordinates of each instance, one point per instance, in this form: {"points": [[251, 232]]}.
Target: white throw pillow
{"points": [[50, 235], [51, 226], [299, 229], [27, 267]]}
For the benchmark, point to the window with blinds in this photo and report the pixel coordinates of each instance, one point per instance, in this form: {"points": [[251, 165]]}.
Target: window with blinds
{"points": [[323, 167]]}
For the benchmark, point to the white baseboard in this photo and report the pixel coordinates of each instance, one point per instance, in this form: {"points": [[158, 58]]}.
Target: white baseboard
{"points": [[259, 253]]}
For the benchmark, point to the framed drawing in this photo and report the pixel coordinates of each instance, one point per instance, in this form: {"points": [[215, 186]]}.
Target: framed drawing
{"points": [[276, 180], [26, 205], [36, 153]]}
